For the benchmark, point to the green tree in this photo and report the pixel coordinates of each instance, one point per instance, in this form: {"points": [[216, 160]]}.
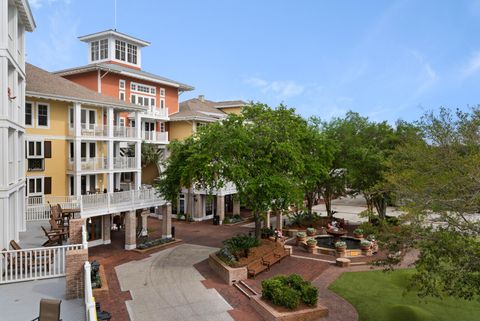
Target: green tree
{"points": [[437, 178], [259, 151]]}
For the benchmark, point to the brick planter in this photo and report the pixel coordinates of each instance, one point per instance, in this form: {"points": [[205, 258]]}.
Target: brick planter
{"points": [[269, 313], [103, 278], [225, 272]]}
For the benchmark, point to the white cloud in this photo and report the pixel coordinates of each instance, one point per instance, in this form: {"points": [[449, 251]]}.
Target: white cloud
{"points": [[473, 65], [280, 88]]}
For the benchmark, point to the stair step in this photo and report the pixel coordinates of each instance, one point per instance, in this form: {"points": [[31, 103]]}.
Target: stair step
{"points": [[242, 290], [248, 287]]}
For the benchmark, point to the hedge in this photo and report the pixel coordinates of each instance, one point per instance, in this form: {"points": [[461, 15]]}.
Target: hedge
{"points": [[289, 291]]}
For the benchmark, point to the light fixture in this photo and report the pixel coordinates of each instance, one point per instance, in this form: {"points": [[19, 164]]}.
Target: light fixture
{"points": [[89, 220]]}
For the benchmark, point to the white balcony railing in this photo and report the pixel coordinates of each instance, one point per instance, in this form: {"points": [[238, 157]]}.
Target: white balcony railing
{"points": [[38, 208], [153, 136], [89, 164], [94, 130], [122, 131], [32, 264], [91, 313], [124, 162]]}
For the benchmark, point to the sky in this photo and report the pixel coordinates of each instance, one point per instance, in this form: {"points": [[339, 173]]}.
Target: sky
{"points": [[387, 60]]}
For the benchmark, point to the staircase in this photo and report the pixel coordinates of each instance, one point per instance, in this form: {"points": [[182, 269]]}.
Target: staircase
{"points": [[245, 289]]}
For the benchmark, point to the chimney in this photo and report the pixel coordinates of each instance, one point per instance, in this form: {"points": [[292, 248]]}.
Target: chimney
{"points": [[201, 98]]}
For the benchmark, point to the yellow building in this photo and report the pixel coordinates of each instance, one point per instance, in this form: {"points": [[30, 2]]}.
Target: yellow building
{"points": [[79, 154], [192, 114], [197, 112]]}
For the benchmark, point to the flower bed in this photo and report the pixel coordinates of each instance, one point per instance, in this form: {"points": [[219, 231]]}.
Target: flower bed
{"points": [[232, 219], [154, 243]]}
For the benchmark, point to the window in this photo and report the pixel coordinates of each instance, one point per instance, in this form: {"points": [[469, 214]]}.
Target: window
{"points": [[94, 50], [28, 114], [142, 100], [104, 49], [35, 164], [132, 54], [71, 117], [143, 88], [162, 103], [162, 127], [42, 115], [71, 150], [120, 50], [34, 149], [122, 96], [133, 99], [121, 121], [181, 203], [35, 186], [88, 150], [162, 92], [88, 118], [121, 84], [152, 102]]}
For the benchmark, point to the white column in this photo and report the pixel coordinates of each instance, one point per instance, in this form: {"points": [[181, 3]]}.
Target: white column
{"points": [[138, 150], [77, 142]]}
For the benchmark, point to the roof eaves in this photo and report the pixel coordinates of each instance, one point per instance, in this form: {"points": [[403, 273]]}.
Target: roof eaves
{"points": [[84, 101], [114, 33]]}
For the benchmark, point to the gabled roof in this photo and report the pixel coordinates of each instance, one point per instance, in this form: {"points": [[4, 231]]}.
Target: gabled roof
{"points": [[115, 33], [202, 109], [43, 84], [123, 70]]}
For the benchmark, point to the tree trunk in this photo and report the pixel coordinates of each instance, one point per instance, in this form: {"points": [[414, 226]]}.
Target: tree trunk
{"points": [[258, 224], [310, 200], [380, 202], [327, 198]]}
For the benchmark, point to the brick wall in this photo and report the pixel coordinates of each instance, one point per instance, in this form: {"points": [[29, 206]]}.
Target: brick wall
{"points": [[75, 230], [74, 262]]}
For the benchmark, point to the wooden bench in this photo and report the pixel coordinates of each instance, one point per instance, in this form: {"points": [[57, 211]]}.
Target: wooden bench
{"points": [[256, 267]]}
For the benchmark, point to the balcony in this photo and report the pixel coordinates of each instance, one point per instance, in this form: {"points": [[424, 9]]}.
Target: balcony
{"points": [[155, 137], [124, 132], [38, 208], [89, 164], [91, 130], [154, 112], [124, 162]]}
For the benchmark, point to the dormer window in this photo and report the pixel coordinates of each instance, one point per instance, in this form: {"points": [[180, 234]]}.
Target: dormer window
{"points": [[120, 50], [132, 54], [99, 50]]}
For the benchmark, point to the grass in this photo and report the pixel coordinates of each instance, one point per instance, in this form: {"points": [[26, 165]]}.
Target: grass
{"points": [[379, 295]]}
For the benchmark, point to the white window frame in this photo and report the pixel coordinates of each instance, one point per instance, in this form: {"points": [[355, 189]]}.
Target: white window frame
{"points": [[37, 107], [120, 120], [32, 116], [162, 103], [162, 92], [71, 111], [42, 148], [120, 94], [162, 127], [103, 50], [121, 84], [35, 178], [95, 55], [152, 90], [143, 99], [87, 151], [87, 116]]}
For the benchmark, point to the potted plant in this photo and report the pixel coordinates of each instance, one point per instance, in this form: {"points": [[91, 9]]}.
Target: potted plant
{"points": [[266, 232], [365, 244], [301, 236], [311, 231], [371, 237], [358, 233], [311, 242], [340, 246]]}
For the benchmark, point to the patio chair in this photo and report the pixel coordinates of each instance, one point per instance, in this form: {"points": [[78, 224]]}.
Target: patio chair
{"points": [[38, 261], [49, 310], [55, 227], [54, 238]]}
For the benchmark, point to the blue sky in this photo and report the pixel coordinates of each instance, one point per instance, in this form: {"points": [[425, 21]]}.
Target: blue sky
{"points": [[384, 59]]}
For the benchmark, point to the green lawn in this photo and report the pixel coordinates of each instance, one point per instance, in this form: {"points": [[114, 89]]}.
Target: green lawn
{"points": [[379, 296]]}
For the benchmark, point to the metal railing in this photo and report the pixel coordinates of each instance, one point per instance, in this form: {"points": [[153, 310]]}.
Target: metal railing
{"points": [[33, 264], [155, 136]]}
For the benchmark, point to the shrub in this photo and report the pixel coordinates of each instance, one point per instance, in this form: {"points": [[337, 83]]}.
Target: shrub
{"points": [[289, 291], [365, 243], [226, 256], [241, 244], [340, 244], [267, 232], [358, 231], [154, 242], [301, 234], [309, 295]]}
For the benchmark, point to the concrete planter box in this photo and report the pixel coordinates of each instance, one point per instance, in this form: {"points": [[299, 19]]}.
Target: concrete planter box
{"points": [[269, 313], [225, 272]]}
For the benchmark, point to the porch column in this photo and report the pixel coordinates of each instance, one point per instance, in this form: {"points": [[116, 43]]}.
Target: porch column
{"points": [[221, 207], [107, 226], [236, 206], [279, 224], [267, 220], [110, 151], [145, 214], [138, 150], [167, 221], [130, 230]]}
